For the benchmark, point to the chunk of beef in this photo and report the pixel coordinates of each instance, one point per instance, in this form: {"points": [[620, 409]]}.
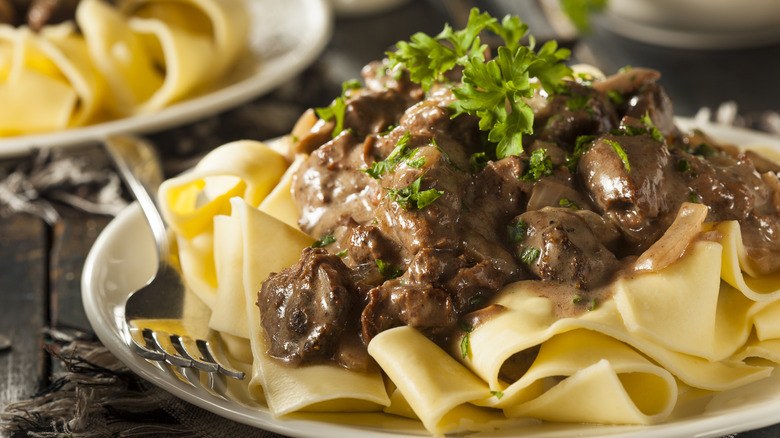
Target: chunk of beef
{"points": [[734, 190], [372, 113], [582, 111], [305, 308], [434, 226], [379, 77], [569, 252], [635, 191], [330, 190], [368, 243], [394, 303]]}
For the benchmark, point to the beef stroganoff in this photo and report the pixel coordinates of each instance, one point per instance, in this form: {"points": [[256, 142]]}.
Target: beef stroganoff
{"points": [[469, 236]]}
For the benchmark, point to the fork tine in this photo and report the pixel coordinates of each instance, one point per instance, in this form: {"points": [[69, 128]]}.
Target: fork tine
{"points": [[163, 341], [208, 354], [144, 345], [188, 348]]}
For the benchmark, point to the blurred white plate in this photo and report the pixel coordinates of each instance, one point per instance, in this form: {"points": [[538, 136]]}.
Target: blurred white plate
{"points": [[695, 24], [124, 258], [285, 37]]}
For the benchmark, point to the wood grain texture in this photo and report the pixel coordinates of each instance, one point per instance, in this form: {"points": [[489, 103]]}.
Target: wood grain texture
{"points": [[72, 238], [24, 244]]}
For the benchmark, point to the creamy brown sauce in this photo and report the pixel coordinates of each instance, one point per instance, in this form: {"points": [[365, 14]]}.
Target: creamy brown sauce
{"points": [[429, 238]]}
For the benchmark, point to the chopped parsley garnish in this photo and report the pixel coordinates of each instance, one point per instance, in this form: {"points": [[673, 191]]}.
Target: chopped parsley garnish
{"points": [[693, 198], [334, 111], [568, 203], [324, 241], [578, 103], [582, 144], [478, 161], [647, 128], [388, 270], [516, 230], [683, 165], [465, 343], [338, 107], [497, 394], [411, 198], [488, 87], [705, 150], [615, 97], [342, 253], [654, 132], [387, 131], [539, 165], [585, 78], [529, 255], [400, 154], [621, 153]]}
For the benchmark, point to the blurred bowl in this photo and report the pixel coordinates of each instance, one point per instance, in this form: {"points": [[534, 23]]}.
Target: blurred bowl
{"points": [[696, 24]]}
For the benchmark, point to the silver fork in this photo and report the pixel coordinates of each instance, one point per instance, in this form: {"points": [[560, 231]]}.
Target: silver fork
{"points": [[165, 323]]}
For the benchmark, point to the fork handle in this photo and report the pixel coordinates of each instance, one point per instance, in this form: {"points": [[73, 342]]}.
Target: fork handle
{"points": [[139, 167]]}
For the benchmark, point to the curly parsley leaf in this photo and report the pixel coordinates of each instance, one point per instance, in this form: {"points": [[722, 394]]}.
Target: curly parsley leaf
{"points": [[324, 241], [427, 59], [478, 161], [465, 343], [338, 107], [539, 165], [388, 270], [400, 154], [517, 230], [582, 144], [411, 198], [529, 255], [336, 111], [568, 203], [620, 152], [653, 131], [493, 90]]}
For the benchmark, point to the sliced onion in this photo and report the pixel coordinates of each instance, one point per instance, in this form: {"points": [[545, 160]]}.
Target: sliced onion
{"points": [[671, 246]]}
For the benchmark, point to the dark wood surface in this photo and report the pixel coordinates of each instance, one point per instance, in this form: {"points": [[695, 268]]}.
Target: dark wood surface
{"points": [[41, 263]]}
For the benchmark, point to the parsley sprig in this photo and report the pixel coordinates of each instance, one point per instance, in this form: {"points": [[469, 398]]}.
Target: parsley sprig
{"points": [[539, 165], [338, 107], [412, 198], [400, 154], [493, 90], [324, 241]]}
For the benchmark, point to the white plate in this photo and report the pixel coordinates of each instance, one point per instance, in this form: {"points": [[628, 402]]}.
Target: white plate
{"points": [[285, 37], [123, 259], [689, 37]]}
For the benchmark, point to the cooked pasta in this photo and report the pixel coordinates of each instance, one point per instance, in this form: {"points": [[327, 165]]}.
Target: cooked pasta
{"points": [[112, 61]]}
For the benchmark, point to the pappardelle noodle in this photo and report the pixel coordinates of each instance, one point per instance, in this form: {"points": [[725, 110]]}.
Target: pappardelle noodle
{"points": [[67, 64], [471, 236]]}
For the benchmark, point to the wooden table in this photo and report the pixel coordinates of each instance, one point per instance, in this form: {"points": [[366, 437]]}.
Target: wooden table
{"points": [[41, 263]]}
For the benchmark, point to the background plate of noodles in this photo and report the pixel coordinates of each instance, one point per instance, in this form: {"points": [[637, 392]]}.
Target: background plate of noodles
{"points": [[104, 94]]}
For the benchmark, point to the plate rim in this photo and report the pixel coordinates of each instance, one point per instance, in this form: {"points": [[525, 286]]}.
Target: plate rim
{"points": [[108, 332], [311, 43]]}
